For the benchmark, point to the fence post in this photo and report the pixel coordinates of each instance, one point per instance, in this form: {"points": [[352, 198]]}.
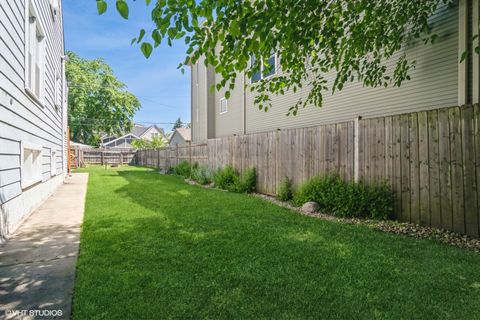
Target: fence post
{"points": [[356, 140], [121, 158], [190, 157], [101, 158]]}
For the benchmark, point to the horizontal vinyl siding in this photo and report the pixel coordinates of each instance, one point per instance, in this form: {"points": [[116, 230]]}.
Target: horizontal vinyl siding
{"points": [[229, 123], [199, 101], [22, 119], [434, 84]]}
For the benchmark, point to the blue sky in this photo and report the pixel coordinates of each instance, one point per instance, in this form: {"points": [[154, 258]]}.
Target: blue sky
{"points": [[162, 89]]}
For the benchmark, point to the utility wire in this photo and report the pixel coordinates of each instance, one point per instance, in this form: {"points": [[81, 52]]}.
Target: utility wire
{"points": [[111, 87]]}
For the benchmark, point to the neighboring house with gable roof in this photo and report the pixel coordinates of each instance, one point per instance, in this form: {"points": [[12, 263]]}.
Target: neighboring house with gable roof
{"points": [[180, 137], [138, 132]]}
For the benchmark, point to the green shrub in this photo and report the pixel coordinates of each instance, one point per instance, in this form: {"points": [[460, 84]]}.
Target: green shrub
{"points": [[229, 179], [347, 199], [285, 190], [247, 182], [183, 169], [203, 175]]}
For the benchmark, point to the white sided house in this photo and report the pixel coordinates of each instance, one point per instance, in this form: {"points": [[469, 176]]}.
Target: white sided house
{"points": [[438, 80], [138, 132], [33, 108]]}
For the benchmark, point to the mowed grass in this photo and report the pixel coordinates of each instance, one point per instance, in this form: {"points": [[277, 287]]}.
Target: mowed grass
{"points": [[154, 247]]}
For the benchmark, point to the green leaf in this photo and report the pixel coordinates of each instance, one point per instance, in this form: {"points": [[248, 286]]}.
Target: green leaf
{"points": [[142, 34], [227, 94], [157, 37], [122, 8], [146, 49], [464, 56], [148, 2], [133, 41], [101, 6]]}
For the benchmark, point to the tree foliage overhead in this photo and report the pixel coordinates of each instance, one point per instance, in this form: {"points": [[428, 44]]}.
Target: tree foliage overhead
{"points": [[312, 37], [97, 101]]}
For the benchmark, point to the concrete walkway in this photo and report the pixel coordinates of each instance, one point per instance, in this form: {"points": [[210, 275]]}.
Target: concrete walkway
{"points": [[37, 264]]}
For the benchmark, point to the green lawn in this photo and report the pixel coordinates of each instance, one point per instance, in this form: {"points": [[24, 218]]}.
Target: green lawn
{"points": [[153, 247]]}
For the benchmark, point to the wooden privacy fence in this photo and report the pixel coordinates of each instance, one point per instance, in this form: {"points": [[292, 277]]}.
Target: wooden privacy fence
{"points": [[431, 159], [80, 157]]}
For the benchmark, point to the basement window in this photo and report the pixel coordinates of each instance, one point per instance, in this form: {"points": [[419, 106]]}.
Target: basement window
{"points": [[31, 161], [223, 105], [35, 51]]}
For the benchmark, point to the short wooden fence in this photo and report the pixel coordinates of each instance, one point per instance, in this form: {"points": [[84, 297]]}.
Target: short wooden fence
{"points": [[80, 157]]}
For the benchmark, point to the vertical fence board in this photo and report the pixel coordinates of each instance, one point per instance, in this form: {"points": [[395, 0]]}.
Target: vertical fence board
{"points": [[414, 169], [423, 168], [457, 170], [434, 169], [405, 165], [469, 179], [476, 115], [446, 202], [397, 167]]}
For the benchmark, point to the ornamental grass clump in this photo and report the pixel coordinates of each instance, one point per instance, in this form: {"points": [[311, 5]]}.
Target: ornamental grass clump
{"points": [[285, 190], [203, 175]]}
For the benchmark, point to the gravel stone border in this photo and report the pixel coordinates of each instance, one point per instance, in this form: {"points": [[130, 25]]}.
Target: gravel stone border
{"points": [[403, 228]]}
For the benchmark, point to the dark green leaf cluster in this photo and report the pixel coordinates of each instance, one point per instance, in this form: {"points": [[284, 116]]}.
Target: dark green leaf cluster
{"points": [[184, 169], [347, 199]]}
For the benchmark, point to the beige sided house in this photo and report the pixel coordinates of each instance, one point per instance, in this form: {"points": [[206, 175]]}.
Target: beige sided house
{"points": [[33, 107], [439, 80], [180, 137]]}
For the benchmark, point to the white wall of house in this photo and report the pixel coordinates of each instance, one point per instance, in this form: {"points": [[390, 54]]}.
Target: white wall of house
{"points": [[32, 107]]}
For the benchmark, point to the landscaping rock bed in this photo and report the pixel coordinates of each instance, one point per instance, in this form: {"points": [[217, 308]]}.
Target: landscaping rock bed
{"points": [[404, 228]]}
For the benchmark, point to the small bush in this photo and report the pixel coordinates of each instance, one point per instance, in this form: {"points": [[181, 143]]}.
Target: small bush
{"points": [[347, 199], [203, 175], [229, 179], [247, 182], [285, 190], [226, 178], [183, 169]]}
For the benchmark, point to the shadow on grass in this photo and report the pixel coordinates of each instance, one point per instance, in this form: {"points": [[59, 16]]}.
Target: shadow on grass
{"points": [[162, 248]]}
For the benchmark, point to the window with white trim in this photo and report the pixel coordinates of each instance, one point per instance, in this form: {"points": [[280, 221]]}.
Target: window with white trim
{"points": [[265, 72], [53, 162], [31, 160], [223, 105], [34, 54]]}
